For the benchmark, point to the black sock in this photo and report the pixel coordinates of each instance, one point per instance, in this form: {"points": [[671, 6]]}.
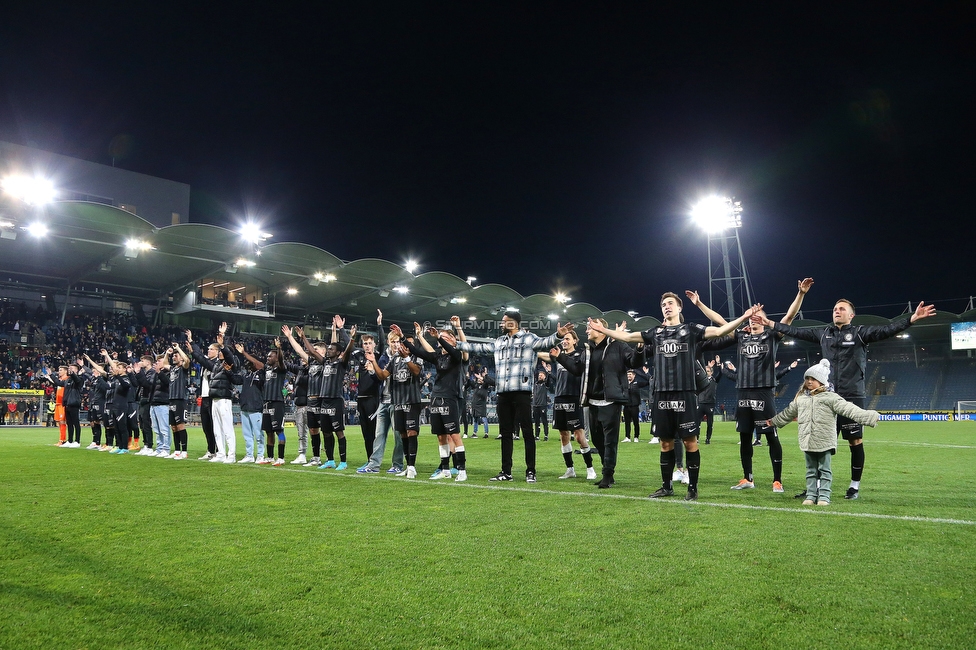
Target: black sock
{"points": [[270, 446], [745, 454], [281, 450], [316, 445], [454, 459], [342, 449], [568, 458], [667, 468], [410, 450], [776, 456], [329, 446], [693, 462], [857, 462]]}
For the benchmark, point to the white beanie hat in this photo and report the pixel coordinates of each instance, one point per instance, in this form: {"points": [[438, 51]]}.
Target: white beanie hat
{"points": [[820, 372]]}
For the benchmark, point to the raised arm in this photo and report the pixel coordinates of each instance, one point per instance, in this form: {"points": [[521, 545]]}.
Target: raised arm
{"points": [[712, 332], [710, 314], [802, 287], [289, 334], [349, 344], [619, 335], [258, 365]]}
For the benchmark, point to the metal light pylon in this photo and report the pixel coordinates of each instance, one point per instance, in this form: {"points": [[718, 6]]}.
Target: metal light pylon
{"points": [[729, 289]]}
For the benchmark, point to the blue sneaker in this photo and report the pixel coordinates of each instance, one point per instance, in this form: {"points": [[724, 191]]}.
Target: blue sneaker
{"points": [[394, 470], [366, 469], [114, 450], [329, 464], [122, 451], [454, 471], [341, 466]]}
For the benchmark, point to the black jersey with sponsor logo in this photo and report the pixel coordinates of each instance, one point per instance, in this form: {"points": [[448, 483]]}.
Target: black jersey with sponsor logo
{"points": [[177, 382], [568, 384], [274, 383], [674, 348], [404, 385], [314, 379], [333, 376], [447, 382], [757, 359]]}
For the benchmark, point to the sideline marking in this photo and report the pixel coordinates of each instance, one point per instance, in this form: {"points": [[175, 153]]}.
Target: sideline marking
{"points": [[674, 501]]}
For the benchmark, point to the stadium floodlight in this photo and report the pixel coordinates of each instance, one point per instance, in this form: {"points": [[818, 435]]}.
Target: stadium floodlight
{"points": [[458, 300], [471, 280], [36, 229], [384, 293], [252, 232], [553, 316], [562, 297], [410, 266], [32, 191], [717, 213], [632, 314], [291, 291], [243, 261], [134, 246], [472, 318], [402, 289]]}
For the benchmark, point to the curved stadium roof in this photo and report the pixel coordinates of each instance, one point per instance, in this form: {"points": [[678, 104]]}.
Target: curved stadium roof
{"points": [[86, 247]]}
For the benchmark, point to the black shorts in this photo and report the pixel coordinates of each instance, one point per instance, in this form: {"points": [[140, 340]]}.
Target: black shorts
{"points": [[753, 407], [675, 414], [567, 414], [849, 429], [406, 417], [332, 415], [312, 413], [273, 418], [444, 416], [178, 413]]}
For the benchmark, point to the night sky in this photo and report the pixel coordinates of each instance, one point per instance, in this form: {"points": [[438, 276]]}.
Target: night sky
{"points": [[540, 145]]}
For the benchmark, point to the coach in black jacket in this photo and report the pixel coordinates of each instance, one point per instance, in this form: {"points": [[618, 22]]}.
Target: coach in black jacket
{"points": [[604, 389]]}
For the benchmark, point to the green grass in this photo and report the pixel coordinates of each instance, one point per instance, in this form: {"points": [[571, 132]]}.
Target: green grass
{"points": [[103, 551]]}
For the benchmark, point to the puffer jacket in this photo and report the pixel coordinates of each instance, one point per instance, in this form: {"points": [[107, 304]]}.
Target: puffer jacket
{"points": [[816, 416]]}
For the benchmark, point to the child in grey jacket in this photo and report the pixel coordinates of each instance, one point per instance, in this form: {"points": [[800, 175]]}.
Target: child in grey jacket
{"points": [[816, 408]]}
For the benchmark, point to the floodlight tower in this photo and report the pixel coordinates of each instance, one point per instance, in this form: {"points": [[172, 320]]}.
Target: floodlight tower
{"points": [[728, 280]]}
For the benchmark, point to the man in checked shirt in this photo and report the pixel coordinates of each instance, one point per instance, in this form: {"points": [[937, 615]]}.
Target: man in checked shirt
{"points": [[515, 359]]}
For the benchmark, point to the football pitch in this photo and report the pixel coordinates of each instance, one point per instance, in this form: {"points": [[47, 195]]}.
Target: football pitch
{"points": [[106, 551]]}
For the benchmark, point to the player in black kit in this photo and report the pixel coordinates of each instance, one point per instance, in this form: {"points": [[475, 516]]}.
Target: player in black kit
{"points": [[674, 345]]}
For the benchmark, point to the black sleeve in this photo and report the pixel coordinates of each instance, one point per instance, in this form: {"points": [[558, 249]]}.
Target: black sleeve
{"points": [[200, 358], [571, 363], [418, 351]]}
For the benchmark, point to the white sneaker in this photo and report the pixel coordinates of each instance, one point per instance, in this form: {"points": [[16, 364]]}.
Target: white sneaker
{"points": [[162, 453], [402, 472], [625, 440], [92, 446], [206, 456], [74, 445], [247, 459], [229, 460], [301, 460], [590, 473], [654, 441], [743, 484], [444, 473], [685, 479], [412, 472], [315, 462], [217, 458], [461, 477], [570, 473], [278, 462], [465, 436], [676, 474]]}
